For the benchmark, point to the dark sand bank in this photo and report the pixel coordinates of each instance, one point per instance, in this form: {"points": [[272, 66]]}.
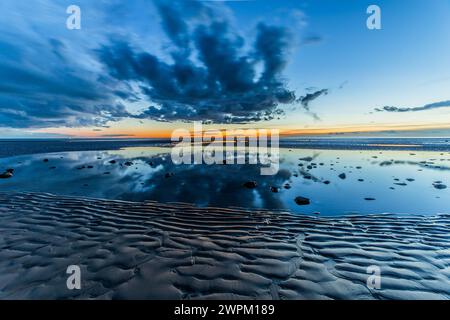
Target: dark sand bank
{"points": [[151, 250], [17, 147]]}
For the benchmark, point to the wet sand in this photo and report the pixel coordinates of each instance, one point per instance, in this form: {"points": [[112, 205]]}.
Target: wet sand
{"points": [[176, 251]]}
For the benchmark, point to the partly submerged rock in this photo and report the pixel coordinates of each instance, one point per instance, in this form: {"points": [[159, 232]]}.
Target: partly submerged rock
{"points": [[6, 175], [274, 189], [343, 176], [169, 174], [302, 201], [250, 184], [440, 186]]}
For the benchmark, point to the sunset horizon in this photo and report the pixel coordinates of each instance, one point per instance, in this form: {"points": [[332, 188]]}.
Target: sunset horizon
{"points": [[224, 157]]}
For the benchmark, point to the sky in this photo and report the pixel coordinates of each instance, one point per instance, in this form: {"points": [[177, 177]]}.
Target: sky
{"points": [[145, 68]]}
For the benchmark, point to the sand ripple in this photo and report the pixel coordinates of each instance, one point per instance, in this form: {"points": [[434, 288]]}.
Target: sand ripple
{"points": [[177, 251]]}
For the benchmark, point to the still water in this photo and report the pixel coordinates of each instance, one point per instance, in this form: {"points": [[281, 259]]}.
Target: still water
{"points": [[401, 182]]}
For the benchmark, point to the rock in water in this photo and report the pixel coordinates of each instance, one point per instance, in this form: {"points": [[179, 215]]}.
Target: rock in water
{"points": [[439, 186], [6, 175], [112, 161], [250, 184], [369, 199], [274, 189], [45, 160], [128, 163], [342, 176], [301, 201]]}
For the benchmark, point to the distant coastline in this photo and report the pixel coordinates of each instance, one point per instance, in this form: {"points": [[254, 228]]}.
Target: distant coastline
{"points": [[16, 147]]}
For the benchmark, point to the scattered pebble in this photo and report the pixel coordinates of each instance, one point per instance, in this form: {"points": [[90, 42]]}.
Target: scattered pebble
{"points": [[302, 201], [249, 184], [274, 189], [439, 186]]}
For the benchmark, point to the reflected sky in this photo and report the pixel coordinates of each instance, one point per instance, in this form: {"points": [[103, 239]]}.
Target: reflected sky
{"points": [[402, 182]]}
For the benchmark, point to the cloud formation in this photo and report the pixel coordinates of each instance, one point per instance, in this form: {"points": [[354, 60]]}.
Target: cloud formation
{"points": [[199, 68], [213, 76], [436, 105], [308, 98], [43, 85]]}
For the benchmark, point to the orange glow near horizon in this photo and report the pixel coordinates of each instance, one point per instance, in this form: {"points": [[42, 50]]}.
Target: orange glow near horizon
{"points": [[142, 132]]}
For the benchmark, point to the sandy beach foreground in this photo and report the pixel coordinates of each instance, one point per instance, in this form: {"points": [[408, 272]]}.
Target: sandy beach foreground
{"points": [[177, 251]]}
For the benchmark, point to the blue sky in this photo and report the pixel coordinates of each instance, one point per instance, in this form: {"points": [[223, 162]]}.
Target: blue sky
{"points": [[295, 65]]}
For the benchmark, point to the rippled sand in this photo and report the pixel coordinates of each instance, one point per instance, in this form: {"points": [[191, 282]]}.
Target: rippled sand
{"points": [[176, 251]]}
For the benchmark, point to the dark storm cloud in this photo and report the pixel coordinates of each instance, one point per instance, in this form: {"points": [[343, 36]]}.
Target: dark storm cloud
{"points": [[213, 75], [49, 78], [436, 105], [39, 88]]}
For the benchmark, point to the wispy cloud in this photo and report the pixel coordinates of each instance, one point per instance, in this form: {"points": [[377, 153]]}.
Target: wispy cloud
{"points": [[309, 97], [431, 106]]}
